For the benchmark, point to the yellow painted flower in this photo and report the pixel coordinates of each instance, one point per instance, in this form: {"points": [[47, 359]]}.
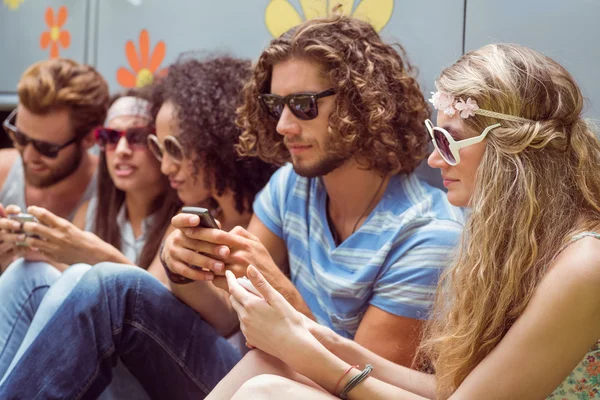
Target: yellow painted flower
{"points": [[280, 15], [13, 4]]}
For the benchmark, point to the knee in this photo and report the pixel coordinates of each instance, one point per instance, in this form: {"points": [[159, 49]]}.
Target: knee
{"points": [[261, 361], [29, 273], [111, 278], [108, 271], [262, 387]]}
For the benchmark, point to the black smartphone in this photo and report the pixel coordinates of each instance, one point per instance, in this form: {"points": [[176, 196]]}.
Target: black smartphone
{"points": [[206, 218]]}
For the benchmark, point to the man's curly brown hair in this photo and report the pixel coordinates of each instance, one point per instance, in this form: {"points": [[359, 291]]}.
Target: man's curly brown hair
{"points": [[205, 93], [380, 110]]}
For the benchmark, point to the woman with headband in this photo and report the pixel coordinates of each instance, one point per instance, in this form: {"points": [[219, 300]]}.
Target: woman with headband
{"points": [[517, 314], [125, 223]]}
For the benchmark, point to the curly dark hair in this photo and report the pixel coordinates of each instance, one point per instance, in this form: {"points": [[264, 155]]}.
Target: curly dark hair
{"points": [[380, 110], [206, 93]]}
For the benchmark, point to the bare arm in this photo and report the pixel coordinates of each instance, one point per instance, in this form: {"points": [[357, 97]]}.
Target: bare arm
{"points": [[558, 327], [278, 251], [7, 158], [385, 370], [65, 243], [201, 295], [272, 325], [393, 337]]}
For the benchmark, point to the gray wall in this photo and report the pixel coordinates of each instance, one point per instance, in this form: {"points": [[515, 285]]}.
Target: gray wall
{"points": [[434, 33]]}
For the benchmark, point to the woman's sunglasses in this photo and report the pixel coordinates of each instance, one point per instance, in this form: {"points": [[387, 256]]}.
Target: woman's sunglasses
{"points": [[302, 105], [21, 140], [447, 146], [108, 139], [172, 146]]}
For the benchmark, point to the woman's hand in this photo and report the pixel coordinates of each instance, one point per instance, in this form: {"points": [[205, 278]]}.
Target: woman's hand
{"points": [[181, 254], [61, 241], [269, 323]]}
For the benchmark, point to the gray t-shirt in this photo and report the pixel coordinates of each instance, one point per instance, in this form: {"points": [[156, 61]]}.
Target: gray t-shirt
{"points": [[13, 191]]}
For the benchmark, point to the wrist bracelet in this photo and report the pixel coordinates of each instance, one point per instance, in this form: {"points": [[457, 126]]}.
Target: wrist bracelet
{"points": [[352, 383], [172, 276], [342, 377]]}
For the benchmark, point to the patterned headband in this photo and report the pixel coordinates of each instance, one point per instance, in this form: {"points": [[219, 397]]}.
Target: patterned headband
{"points": [[129, 106], [450, 105]]}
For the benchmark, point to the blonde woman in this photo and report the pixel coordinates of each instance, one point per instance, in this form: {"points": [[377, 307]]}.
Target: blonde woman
{"points": [[517, 315]]}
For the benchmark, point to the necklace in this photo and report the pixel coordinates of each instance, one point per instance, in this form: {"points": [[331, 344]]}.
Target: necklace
{"points": [[332, 227]]}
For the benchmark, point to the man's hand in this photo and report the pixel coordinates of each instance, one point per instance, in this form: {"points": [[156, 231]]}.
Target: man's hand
{"points": [[236, 249], [9, 235]]}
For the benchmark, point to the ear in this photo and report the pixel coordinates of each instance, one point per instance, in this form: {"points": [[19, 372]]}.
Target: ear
{"points": [[88, 141]]}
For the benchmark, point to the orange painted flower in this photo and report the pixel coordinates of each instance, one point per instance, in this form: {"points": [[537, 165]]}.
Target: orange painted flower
{"points": [[55, 36], [144, 67]]}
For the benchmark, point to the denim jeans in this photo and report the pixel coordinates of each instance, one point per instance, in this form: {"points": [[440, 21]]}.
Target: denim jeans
{"points": [[22, 287], [33, 291], [118, 312]]}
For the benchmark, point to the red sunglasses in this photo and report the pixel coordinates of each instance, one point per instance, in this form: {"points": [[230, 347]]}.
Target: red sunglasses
{"points": [[136, 137]]}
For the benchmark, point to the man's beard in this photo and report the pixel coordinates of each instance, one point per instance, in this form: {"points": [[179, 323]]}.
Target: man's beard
{"points": [[58, 173], [323, 167]]}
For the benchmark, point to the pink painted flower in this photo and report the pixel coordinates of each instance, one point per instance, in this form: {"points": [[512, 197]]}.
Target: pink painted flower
{"points": [[466, 109]]}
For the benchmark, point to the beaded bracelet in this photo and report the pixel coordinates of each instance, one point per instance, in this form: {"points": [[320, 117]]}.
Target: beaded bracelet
{"points": [[173, 276], [352, 383]]}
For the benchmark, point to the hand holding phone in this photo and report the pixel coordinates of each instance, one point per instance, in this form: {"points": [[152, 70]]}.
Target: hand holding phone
{"points": [[22, 218], [206, 218]]}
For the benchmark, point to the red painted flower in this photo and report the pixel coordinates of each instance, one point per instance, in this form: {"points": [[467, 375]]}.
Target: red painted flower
{"points": [[55, 36], [144, 67]]}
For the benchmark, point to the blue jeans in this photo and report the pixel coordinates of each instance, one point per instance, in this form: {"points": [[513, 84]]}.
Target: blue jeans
{"points": [[22, 287], [118, 312], [23, 320]]}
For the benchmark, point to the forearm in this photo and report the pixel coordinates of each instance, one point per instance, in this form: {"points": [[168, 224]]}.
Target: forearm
{"points": [[325, 368], [210, 302], [287, 289], [104, 252], [384, 370]]}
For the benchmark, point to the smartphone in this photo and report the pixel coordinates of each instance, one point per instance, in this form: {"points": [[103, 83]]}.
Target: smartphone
{"points": [[22, 218], [246, 284], [206, 218]]}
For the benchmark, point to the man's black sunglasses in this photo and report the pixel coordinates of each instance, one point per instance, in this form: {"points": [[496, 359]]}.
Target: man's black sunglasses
{"points": [[302, 105], [21, 140]]}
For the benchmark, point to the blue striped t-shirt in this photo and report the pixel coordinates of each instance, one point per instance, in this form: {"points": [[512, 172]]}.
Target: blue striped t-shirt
{"points": [[392, 261]]}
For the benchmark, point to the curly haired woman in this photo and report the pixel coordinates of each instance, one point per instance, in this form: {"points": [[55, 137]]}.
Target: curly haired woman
{"points": [[517, 316]]}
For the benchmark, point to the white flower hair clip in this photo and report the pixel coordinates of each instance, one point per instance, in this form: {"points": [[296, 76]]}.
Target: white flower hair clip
{"points": [[449, 105]]}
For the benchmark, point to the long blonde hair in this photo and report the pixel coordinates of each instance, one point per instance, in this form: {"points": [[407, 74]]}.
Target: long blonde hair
{"points": [[537, 185]]}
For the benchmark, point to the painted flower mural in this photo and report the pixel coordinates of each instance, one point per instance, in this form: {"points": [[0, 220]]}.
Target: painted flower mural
{"points": [[280, 15], [13, 4], [144, 65], [55, 37]]}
